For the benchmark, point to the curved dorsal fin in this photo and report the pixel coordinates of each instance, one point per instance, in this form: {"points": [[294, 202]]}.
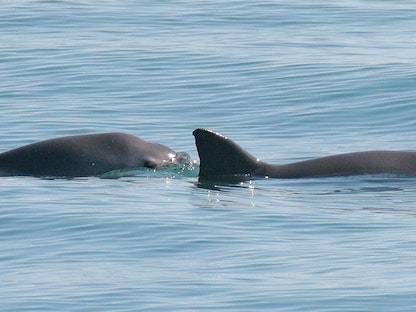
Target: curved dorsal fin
{"points": [[222, 158]]}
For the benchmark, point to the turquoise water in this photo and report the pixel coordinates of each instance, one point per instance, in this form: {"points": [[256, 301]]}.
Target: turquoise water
{"points": [[287, 81]]}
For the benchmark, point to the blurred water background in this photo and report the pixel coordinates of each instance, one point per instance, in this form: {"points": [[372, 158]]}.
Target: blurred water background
{"points": [[286, 80]]}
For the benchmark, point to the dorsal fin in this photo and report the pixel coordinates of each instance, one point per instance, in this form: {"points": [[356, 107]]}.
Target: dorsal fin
{"points": [[222, 158]]}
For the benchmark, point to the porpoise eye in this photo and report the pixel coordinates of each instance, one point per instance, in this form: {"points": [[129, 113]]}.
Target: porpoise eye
{"points": [[149, 164]]}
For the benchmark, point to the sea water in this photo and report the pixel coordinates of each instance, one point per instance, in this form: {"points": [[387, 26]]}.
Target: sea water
{"points": [[286, 80]]}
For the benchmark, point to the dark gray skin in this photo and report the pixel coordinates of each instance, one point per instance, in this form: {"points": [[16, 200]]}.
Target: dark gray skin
{"points": [[222, 159], [86, 155]]}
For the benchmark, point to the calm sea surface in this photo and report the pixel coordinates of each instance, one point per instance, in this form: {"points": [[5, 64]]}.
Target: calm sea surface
{"points": [[286, 80]]}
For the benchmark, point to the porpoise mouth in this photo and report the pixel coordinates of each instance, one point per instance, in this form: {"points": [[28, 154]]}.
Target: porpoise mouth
{"points": [[180, 158]]}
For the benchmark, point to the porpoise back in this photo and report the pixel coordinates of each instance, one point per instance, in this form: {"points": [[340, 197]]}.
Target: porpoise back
{"points": [[223, 159]]}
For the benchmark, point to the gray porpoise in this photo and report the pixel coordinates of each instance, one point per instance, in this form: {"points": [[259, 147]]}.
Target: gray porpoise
{"points": [[86, 155], [222, 159]]}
